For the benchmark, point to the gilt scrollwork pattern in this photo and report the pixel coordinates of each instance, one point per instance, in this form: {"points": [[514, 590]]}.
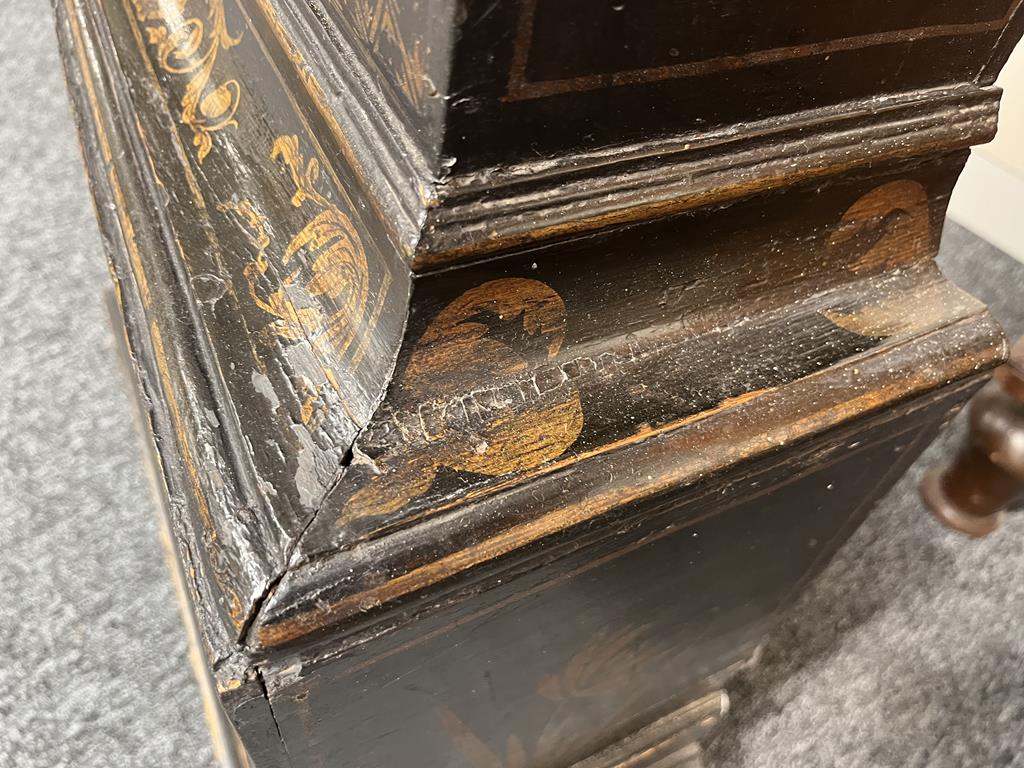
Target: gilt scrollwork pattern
{"points": [[376, 22], [335, 269], [187, 45], [317, 289]]}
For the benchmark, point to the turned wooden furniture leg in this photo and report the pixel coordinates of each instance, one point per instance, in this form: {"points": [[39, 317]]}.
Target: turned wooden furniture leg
{"points": [[988, 474]]}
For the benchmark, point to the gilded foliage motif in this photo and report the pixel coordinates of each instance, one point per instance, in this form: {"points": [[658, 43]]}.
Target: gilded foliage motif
{"points": [[329, 254], [486, 334], [376, 22], [605, 668], [317, 289], [187, 45], [604, 664], [885, 230], [888, 227], [477, 753]]}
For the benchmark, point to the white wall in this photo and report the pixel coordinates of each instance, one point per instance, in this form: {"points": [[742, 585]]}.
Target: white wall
{"points": [[989, 198]]}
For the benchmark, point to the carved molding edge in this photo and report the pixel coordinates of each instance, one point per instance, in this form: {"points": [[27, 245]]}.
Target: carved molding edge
{"points": [[443, 219], [481, 213]]}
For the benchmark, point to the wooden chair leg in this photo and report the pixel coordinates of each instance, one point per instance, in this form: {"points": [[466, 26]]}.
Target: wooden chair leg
{"points": [[987, 475]]}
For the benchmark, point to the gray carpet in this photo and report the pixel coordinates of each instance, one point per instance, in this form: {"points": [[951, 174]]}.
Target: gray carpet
{"points": [[909, 651], [93, 672]]}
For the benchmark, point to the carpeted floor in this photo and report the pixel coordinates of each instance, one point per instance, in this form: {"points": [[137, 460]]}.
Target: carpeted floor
{"points": [[908, 651]]}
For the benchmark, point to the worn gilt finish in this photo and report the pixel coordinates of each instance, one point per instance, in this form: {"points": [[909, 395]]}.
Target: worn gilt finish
{"points": [[507, 374], [377, 23], [187, 46]]}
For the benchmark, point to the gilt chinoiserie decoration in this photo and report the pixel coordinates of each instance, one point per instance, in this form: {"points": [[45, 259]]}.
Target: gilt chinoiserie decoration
{"points": [[511, 366], [187, 46]]}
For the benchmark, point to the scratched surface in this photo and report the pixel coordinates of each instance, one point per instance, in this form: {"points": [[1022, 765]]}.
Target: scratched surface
{"points": [[548, 405], [352, 453], [512, 367], [620, 71], [261, 281], [672, 36], [546, 672], [582, 74]]}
